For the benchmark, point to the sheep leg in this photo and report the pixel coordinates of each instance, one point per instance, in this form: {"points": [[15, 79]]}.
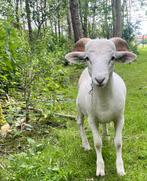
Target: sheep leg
{"points": [[80, 122], [118, 144], [98, 147]]}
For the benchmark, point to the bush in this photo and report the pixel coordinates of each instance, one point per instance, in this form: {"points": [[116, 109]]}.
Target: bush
{"points": [[128, 34]]}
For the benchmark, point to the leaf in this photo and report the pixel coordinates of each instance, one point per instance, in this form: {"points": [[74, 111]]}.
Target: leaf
{"points": [[31, 141]]}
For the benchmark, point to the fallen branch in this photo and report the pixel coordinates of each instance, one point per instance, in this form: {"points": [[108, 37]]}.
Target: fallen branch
{"points": [[65, 116], [56, 125]]}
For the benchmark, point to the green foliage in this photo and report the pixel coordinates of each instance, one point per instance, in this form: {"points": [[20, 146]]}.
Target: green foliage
{"points": [[144, 41], [2, 120], [9, 45], [34, 71], [129, 34]]}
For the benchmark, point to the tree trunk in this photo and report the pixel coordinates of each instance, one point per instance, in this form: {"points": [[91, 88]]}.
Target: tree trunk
{"points": [[70, 30], [51, 25], [116, 13], [93, 20], [45, 23], [81, 14], [58, 22], [85, 18], [17, 14], [124, 12], [28, 12], [75, 20], [107, 29], [22, 15], [56, 32]]}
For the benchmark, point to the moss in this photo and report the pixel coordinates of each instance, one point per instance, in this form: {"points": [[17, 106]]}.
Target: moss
{"points": [[2, 119]]}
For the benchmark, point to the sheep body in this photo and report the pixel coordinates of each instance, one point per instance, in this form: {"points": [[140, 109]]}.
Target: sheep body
{"points": [[102, 93]]}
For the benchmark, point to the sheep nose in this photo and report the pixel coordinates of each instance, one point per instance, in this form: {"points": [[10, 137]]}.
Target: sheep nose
{"points": [[100, 81]]}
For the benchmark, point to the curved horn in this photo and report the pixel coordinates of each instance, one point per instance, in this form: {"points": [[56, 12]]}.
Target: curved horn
{"points": [[120, 44], [80, 44]]}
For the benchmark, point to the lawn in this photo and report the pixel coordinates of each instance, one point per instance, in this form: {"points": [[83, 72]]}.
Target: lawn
{"points": [[55, 154]]}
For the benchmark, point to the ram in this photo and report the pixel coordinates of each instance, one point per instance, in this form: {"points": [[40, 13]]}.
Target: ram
{"points": [[101, 92]]}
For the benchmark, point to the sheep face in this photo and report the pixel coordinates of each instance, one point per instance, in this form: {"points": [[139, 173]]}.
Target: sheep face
{"points": [[100, 55]]}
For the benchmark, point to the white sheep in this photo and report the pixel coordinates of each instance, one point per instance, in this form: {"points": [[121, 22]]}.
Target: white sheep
{"points": [[102, 93]]}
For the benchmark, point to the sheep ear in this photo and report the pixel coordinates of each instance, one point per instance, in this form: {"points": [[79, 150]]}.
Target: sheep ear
{"points": [[73, 57], [125, 56]]}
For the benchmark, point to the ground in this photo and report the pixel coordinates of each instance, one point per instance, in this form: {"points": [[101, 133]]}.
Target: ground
{"points": [[49, 153]]}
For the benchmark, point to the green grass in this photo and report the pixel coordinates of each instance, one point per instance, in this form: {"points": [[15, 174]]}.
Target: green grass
{"points": [[56, 154]]}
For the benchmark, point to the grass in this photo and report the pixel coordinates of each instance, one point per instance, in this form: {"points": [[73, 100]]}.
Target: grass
{"points": [[53, 154]]}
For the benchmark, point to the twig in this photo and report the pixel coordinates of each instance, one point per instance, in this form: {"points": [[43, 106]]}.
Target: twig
{"points": [[65, 116], [136, 137], [2, 166]]}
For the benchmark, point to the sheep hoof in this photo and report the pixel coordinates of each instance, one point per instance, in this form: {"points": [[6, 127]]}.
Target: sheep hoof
{"points": [[100, 173], [100, 170], [121, 173], [86, 147], [120, 168]]}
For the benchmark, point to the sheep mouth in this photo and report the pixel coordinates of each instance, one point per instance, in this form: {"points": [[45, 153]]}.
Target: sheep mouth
{"points": [[101, 85], [98, 85]]}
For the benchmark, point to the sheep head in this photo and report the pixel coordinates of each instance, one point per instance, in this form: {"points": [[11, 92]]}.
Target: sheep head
{"points": [[100, 55]]}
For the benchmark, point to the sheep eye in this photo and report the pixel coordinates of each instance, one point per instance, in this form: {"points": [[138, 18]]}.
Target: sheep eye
{"points": [[112, 58], [87, 59]]}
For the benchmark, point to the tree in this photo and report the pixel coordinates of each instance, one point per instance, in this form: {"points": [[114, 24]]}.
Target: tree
{"points": [[77, 28], [28, 13], [17, 14], [116, 13], [39, 14], [70, 30], [83, 8]]}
